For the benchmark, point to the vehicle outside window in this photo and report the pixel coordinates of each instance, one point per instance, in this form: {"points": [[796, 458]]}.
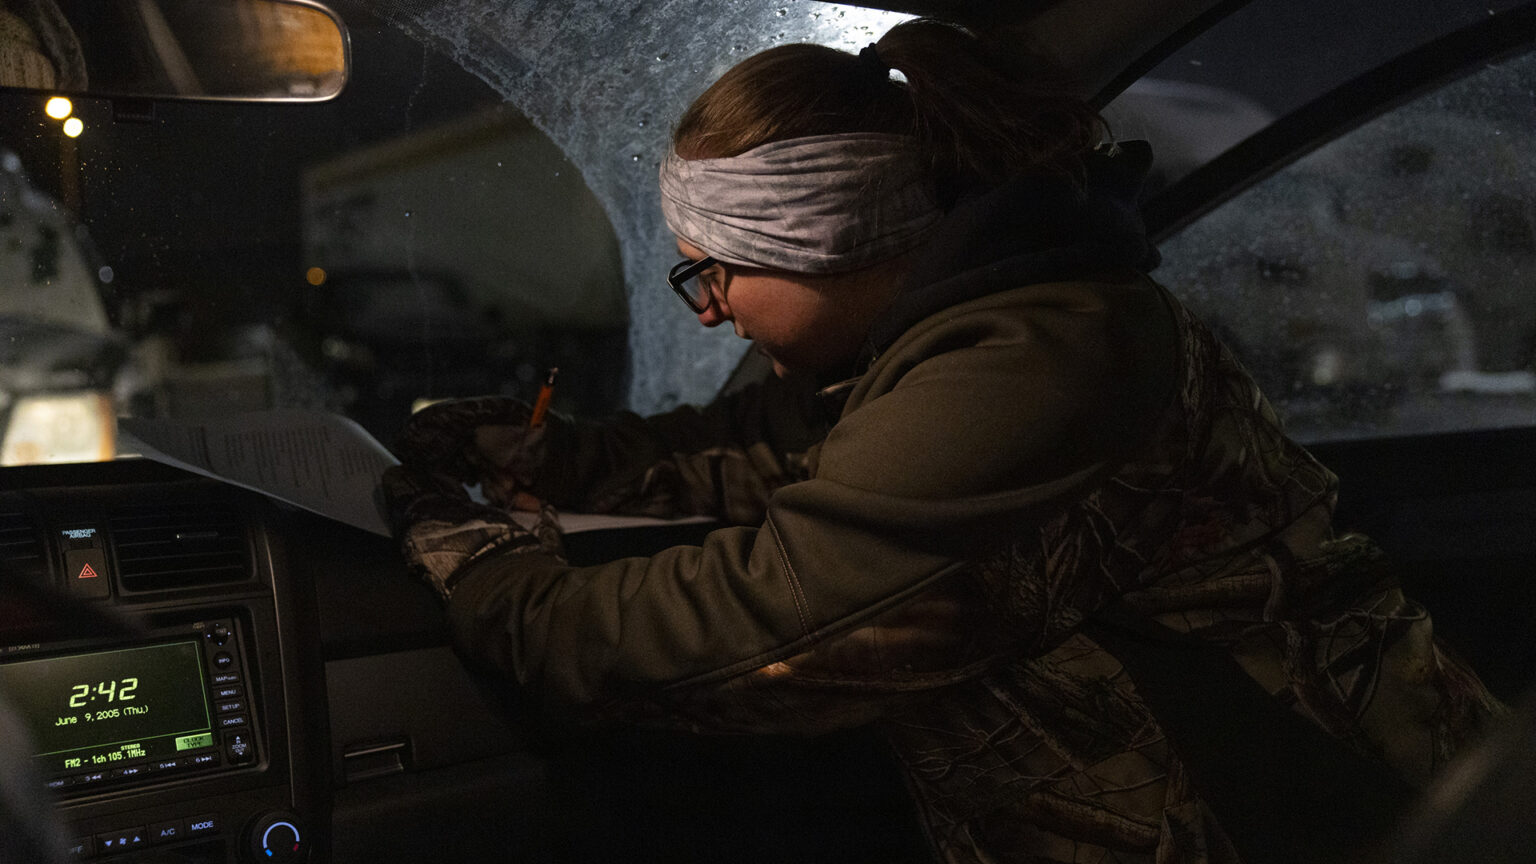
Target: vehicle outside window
{"points": [[423, 235], [1382, 285], [473, 209]]}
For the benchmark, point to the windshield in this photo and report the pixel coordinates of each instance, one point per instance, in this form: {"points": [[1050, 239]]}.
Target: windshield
{"points": [[420, 237], [476, 207]]}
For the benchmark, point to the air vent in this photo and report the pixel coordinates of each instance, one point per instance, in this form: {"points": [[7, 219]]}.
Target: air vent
{"points": [[21, 547], [157, 550]]}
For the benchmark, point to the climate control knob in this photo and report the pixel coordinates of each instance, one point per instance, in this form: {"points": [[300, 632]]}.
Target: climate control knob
{"points": [[277, 837]]}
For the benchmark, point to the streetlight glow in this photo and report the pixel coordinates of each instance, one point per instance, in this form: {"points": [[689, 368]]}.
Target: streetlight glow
{"points": [[73, 127], [58, 108]]}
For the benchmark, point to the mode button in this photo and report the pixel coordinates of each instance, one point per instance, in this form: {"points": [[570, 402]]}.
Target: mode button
{"points": [[199, 826]]}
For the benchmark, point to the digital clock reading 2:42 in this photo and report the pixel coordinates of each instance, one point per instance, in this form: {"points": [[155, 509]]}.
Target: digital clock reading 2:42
{"points": [[92, 708], [82, 695]]}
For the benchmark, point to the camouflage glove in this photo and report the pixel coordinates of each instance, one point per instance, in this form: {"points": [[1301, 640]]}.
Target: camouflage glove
{"points": [[485, 440], [441, 531]]}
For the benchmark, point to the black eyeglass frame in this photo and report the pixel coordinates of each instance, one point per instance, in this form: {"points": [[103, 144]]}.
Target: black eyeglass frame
{"points": [[687, 269]]}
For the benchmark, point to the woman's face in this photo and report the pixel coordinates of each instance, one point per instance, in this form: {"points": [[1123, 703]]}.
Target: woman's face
{"points": [[800, 322]]}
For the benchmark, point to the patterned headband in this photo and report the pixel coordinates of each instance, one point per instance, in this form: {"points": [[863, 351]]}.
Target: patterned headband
{"points": [[820, 204]]}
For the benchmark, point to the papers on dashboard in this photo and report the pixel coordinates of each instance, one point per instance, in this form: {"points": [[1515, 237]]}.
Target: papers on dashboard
{"points": [[322, 462], [319, 461]]}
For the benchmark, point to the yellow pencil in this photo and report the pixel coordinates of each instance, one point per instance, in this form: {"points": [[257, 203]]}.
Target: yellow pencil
{"points": [[541, 403]]}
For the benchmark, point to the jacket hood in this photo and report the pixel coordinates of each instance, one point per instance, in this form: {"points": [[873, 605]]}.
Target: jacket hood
{"points": [[1036, 228]]}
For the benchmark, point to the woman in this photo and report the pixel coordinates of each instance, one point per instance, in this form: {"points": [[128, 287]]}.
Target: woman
{"points": [[1054, 545]]}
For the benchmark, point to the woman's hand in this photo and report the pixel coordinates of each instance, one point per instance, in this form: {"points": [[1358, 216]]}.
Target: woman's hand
{"points": [[441, 531], [485, 441]]}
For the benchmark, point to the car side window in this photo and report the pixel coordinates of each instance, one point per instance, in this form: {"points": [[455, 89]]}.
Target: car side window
{"points": [[1383, 285]]}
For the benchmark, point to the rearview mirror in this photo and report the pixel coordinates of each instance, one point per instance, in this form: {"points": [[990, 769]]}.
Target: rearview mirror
{"points": [[227, 50]]}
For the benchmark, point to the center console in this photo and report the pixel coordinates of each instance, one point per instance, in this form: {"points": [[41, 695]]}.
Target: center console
{"points": [[153, 658]]}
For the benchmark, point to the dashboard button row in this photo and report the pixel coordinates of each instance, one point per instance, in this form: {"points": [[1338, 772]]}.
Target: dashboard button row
{"points": [[158, 766], [129, 839]]}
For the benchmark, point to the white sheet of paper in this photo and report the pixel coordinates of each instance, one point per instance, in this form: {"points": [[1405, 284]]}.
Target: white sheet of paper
{"points": [[322, 462]]}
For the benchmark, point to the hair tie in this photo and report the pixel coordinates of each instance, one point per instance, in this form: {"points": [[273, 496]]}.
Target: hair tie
{"points": [[871, 58]]}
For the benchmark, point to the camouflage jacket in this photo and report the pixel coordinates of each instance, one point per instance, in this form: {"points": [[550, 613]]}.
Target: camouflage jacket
{"points": [[1003, 470]]}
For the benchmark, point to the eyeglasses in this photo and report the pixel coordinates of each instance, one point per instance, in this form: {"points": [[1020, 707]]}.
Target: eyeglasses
{"points": [[688, 279]]}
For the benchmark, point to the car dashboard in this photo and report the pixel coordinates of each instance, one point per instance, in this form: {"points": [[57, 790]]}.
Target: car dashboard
{"points": [[304, 703], [211, 673]]}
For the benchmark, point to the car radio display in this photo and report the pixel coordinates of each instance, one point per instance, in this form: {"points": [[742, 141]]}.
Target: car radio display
{"points": [[99, 709]]}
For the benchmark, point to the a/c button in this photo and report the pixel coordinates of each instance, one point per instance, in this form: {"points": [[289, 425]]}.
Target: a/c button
{"points": [[167, 832]]}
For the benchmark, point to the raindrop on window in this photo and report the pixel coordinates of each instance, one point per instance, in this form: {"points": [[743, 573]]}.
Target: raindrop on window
{"points": [[106, 275]]}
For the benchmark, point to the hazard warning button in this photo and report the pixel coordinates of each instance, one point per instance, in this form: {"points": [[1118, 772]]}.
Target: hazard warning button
{"points": [[86, 570]]}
